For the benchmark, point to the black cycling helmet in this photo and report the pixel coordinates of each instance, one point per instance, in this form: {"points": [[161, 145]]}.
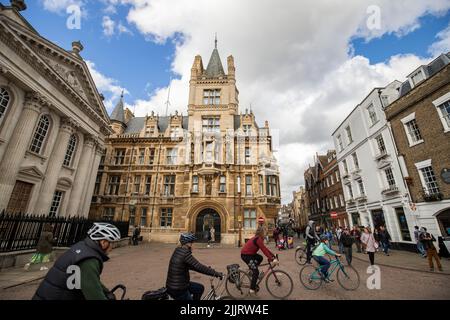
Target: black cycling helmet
{"points": [[187, 237], [323, 237]]}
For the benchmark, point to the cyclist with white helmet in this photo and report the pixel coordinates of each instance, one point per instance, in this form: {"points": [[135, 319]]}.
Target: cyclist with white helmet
{"points": [[178, 282], [88, 255]]}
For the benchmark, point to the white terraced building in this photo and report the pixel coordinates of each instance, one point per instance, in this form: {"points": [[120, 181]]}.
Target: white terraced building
{"points": [[371, 171]]}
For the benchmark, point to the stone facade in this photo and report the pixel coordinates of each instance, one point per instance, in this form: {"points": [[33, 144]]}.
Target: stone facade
{"points": [[178, 173], [52, 122], [300, 208], [425, 106]]}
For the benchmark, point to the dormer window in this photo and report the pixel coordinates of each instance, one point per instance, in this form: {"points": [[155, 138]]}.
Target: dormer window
{"points": [[417, 77], [211, 96]]}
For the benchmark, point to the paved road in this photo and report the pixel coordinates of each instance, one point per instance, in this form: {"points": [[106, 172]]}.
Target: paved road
{"points": [[144, 268]]}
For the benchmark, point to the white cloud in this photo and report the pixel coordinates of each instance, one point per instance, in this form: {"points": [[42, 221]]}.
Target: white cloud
{"points": [[108, 26], [60, 6], [442, 44], [293, 61], [121, 28], [108, 86]]}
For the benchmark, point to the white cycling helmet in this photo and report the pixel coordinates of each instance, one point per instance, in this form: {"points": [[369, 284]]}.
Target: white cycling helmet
{"points": [[104, 231]]}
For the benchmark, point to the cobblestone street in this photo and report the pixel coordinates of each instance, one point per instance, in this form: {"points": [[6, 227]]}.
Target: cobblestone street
{"points": [[144, 268]]}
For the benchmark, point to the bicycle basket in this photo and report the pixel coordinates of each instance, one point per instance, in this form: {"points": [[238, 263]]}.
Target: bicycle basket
{"points": [[233, 273], [160, 294]]}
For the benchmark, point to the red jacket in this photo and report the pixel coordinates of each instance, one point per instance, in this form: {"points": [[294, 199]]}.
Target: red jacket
{"points": [[254, 244]]}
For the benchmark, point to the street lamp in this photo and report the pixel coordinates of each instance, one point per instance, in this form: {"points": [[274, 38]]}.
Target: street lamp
{"points": [[240, 230]]}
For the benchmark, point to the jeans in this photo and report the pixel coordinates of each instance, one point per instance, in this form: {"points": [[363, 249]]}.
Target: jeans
{"points": [[358, 245], [385, 246], [309, 244], [194, 292], [348, 254], [325, 265], [341, 247], [421, 248], [253, 261]]}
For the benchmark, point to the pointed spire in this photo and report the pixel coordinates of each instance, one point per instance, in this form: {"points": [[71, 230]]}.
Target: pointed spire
{"points": [[214, 68], [118, 113]]}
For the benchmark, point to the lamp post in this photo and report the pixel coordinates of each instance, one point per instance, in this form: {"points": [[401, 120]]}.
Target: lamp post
{"points": [[240, 230]]}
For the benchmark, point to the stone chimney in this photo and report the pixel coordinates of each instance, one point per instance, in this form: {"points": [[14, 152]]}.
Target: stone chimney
{"points": [[19, 5], [77, 47]]}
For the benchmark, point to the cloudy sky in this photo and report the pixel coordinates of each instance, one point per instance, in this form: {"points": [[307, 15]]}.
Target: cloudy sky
{"points": [[302, 65]]}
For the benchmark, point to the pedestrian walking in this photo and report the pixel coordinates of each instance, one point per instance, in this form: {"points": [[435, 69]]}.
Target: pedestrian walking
{"points": [[419, 244], [385, 239], [44, 248], [428, 243], [135, 236], [276, 233], [356, 234], [338, 237], [212, 233], [347, 243], [370, 244]]}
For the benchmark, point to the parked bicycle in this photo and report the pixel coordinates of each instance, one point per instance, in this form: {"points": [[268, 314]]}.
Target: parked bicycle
{"points": [[278, 282], [347, 276]]}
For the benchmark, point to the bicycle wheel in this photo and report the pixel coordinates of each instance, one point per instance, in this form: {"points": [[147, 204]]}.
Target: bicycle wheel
{"points": [[300, 256], [241, 287], [348, 278], [279, 284], [310, 278]]}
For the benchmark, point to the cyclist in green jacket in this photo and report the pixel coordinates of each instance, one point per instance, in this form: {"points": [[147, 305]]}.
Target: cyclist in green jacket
{"points": [[318, 255]]}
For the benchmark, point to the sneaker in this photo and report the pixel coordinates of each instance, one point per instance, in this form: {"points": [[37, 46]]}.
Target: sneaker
{"points": [[43, 268], [27, 266], [252, 293]]}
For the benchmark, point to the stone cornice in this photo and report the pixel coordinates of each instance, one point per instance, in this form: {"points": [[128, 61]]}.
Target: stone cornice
{"points": [[69, 124], [9, 37], [35, 101]]}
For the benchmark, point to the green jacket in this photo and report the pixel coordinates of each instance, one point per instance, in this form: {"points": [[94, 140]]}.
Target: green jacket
{"points": [[323, 249], [91, 286]]}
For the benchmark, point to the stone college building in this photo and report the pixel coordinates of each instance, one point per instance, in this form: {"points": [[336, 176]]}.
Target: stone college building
{"points": [[177, 173]]}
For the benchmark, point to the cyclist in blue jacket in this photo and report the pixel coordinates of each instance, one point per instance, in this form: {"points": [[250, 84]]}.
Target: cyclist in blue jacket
{"points": [[318, 255]]}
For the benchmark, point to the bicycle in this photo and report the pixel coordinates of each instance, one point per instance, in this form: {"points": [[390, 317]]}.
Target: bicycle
{"points": [[347, 277], [275, 279], [300, 255], [212, 294]]}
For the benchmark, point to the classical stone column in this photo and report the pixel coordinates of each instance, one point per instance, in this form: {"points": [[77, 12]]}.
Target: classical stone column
{"points": [[92, 176], [18, 144], [54, 165], [75, 206]]}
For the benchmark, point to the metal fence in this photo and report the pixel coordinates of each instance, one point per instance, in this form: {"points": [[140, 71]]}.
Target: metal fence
{"points": [[22, 231]]}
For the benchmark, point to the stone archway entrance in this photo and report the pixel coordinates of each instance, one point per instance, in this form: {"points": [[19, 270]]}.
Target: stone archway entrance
{"points": [[203, 223]]}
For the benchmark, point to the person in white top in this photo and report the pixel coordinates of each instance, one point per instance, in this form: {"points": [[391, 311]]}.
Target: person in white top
{"points": [[370, 244]]}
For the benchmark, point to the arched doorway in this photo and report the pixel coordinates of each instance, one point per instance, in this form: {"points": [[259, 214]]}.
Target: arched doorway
{"points": [[203, 223]]}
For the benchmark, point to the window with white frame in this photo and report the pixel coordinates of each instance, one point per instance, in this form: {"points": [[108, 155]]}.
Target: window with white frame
{"points": [[385, 100], [349, 135], [114, 182], [362, 192], [120, 156], [443, 110], [350, 191], [143, 217], [137, 184], [412, 129], [380, 144], [345, 166], [169, 185], [390, 177], [339, 140], [211, 96], [211, 124], [372, 114], [40, 134], [195, 184], [141, 156], [429, 179], [247, 155], [222, 184], [249, 219], [4, 101], [148, 181], [56, 202], [70, 150], [261, 184], [209, 151], [248, 185], [151, 158], [355, 161], [166, 217], [171, 157]]}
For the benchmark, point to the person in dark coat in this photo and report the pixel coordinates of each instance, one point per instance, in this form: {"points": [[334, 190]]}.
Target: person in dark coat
{"points": [[347, 243], [136, 234], [385, 239], [179, 285]]}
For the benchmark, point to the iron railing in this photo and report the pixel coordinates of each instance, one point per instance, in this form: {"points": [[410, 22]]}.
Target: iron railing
{"points": [[22, 231]]}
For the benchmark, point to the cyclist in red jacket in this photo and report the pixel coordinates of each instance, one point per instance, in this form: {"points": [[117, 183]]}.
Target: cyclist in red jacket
{"points": [[250, 256]]}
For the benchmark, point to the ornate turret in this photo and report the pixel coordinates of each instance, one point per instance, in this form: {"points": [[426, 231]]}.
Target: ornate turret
{"points": [[117, 117]]}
